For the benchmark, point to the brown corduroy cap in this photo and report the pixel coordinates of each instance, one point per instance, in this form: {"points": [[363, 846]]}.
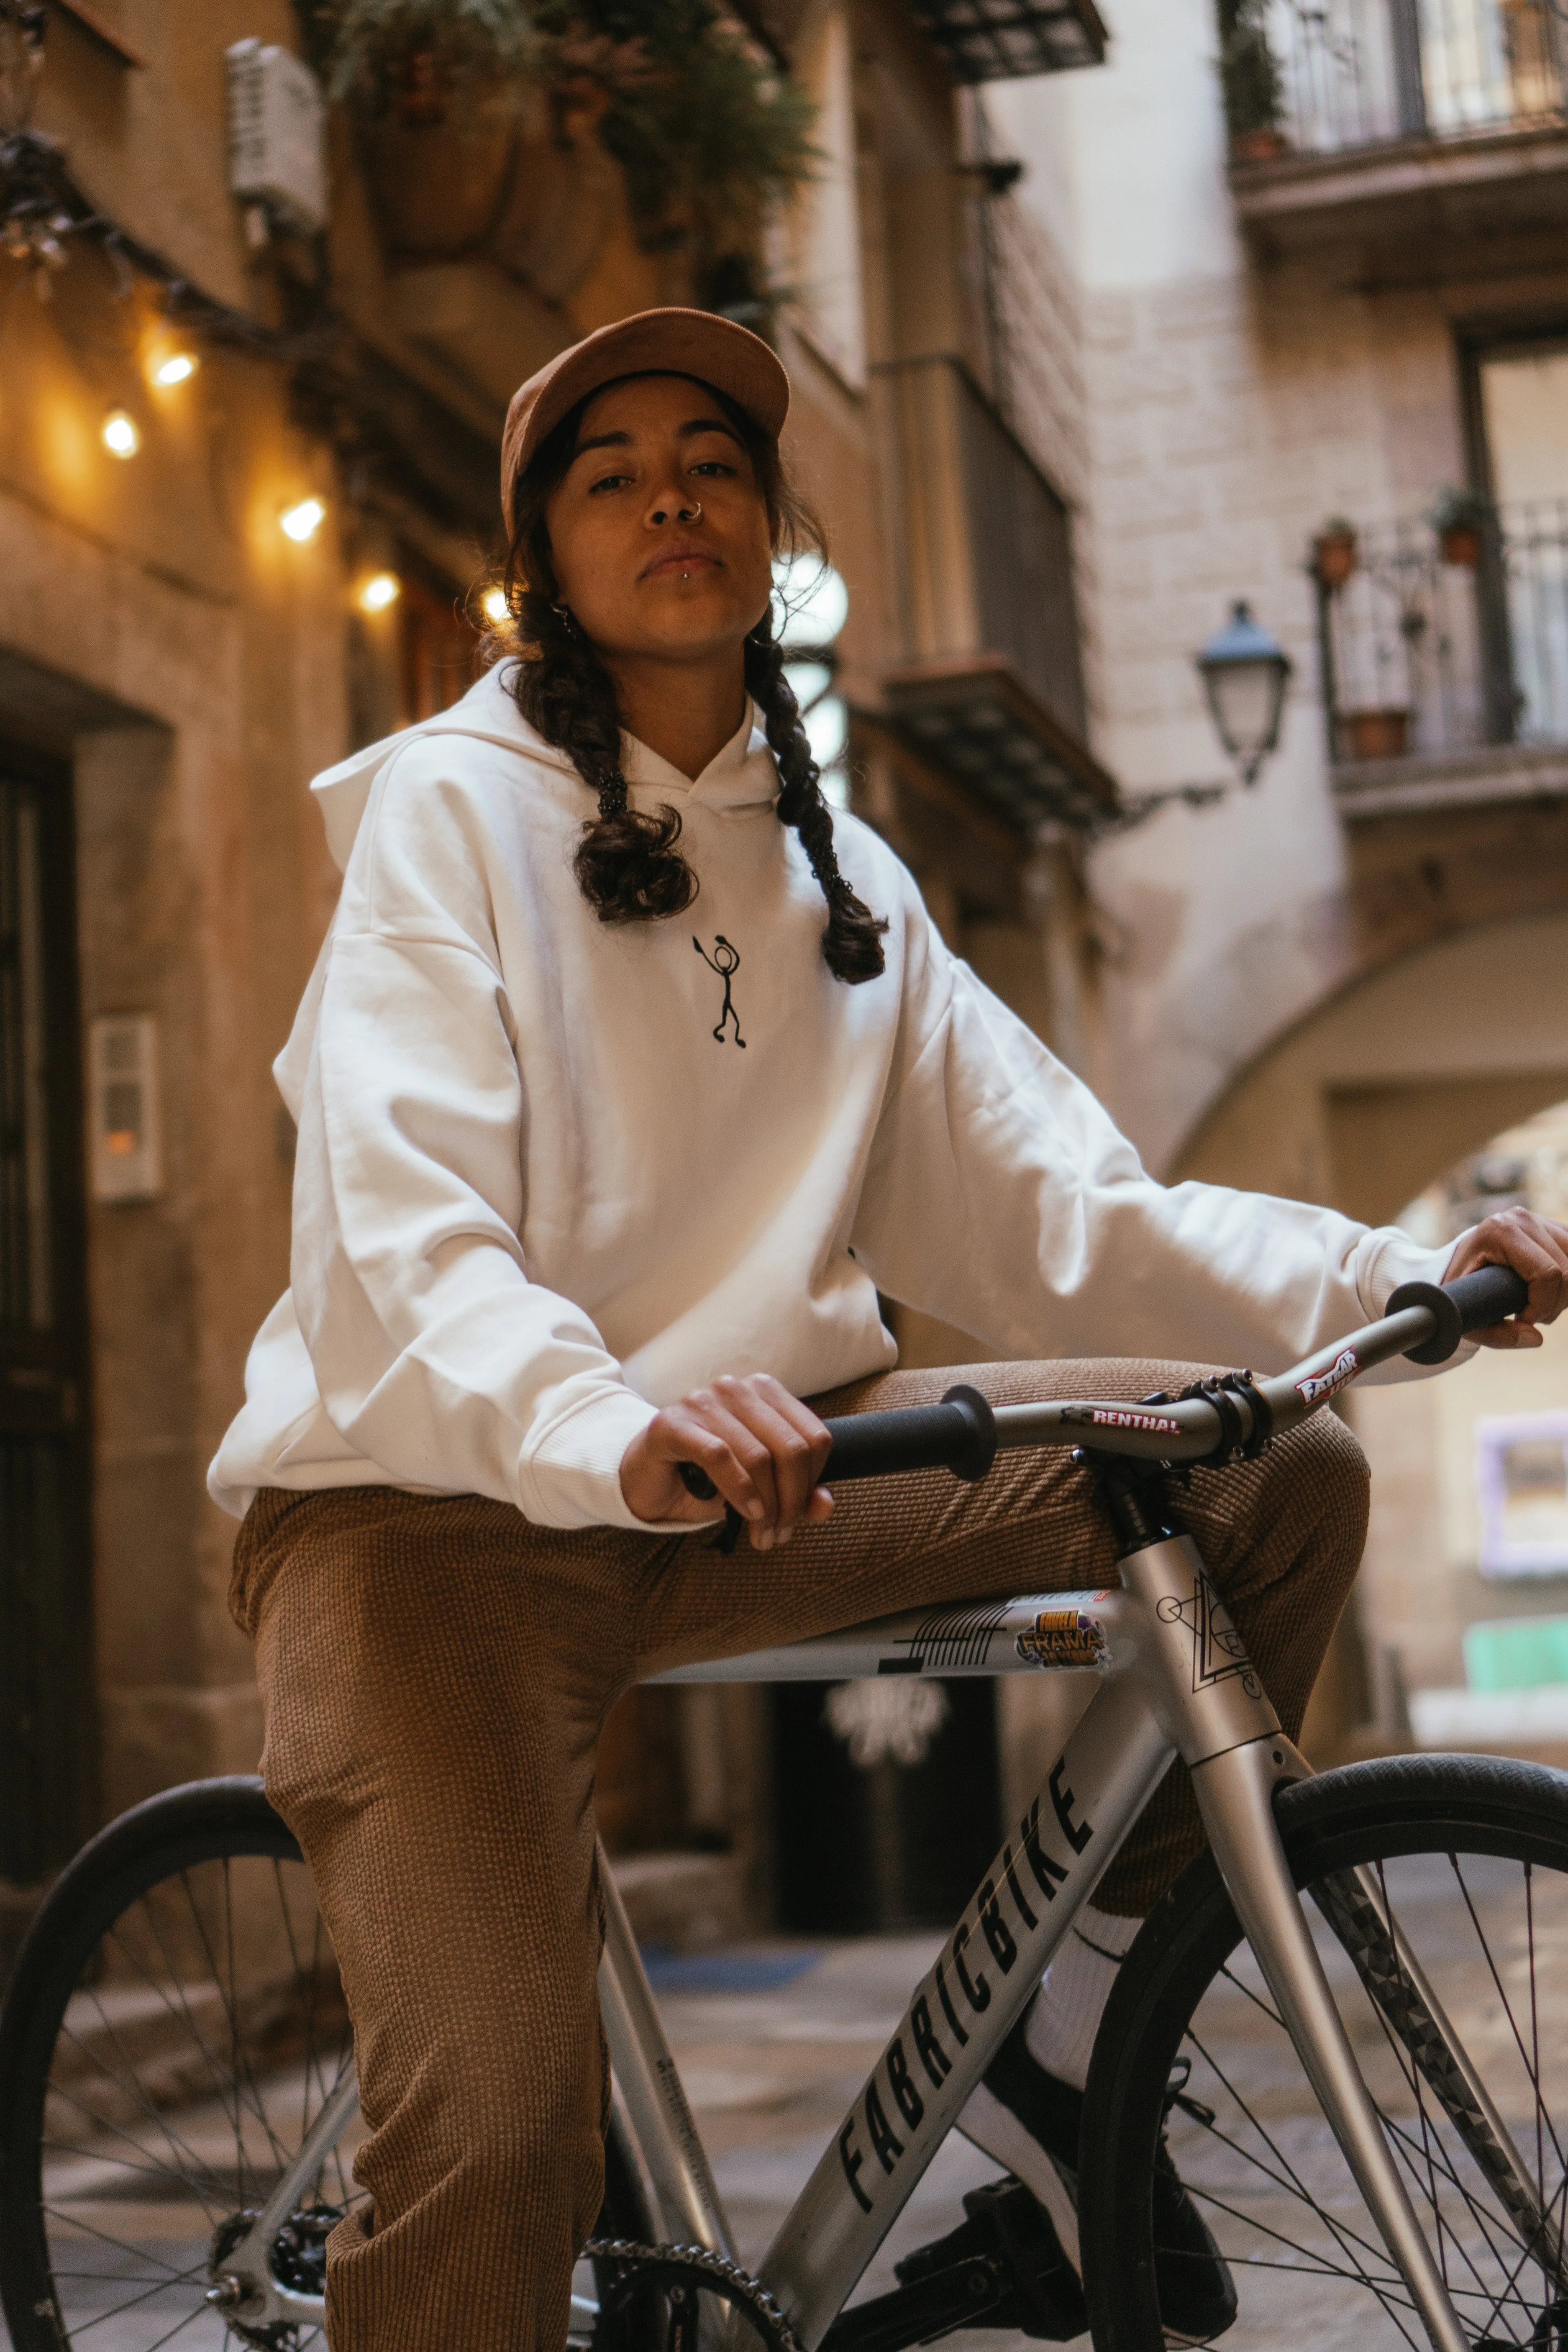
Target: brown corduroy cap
{"points": [[671, 342]]}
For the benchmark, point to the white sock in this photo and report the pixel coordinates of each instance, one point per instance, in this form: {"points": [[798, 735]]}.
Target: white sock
{"points": [[1065, 2020]]}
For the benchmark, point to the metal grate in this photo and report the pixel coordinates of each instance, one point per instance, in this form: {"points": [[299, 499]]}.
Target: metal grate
{"points": [[998, 40], [990, 681], [1359, 73], [1425, 655]]}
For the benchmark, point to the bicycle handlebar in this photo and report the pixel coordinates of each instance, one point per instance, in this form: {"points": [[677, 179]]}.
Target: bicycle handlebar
{"points": [[1425, 1320]]}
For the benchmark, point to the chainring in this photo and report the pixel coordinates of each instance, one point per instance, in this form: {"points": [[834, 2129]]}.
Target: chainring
{"points": [[681, 2273]]}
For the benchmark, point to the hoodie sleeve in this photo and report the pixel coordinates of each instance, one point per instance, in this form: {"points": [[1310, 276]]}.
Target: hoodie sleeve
{"points": [[1000, 1197], [434, 1355]]}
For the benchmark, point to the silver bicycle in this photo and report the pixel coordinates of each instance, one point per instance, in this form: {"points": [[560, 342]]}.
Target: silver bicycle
{"points": [[1344, 2031]]}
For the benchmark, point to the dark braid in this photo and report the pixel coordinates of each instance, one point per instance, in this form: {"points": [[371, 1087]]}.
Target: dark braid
{"points": [[628, 866], [852, 942]]}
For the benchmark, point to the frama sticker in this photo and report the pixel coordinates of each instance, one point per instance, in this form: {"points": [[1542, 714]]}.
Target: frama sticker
{"points": [[1062, 1637]]}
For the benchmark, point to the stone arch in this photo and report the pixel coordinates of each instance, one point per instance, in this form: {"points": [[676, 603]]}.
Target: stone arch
{"points": [[1183, 1039], [1404, 1070]]}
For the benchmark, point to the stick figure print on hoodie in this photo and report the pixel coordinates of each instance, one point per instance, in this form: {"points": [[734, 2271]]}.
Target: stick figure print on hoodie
{"points": [[726, 963]]}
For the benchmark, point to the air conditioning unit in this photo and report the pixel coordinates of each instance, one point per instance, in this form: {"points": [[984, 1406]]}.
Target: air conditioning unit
{"points": [[277, 135]]}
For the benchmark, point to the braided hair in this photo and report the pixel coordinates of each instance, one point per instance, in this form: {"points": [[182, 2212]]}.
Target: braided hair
{"points": [[628, 864]]}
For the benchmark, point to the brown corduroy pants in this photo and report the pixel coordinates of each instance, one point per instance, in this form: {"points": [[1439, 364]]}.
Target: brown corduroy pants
{"points": [[436, 1673]]}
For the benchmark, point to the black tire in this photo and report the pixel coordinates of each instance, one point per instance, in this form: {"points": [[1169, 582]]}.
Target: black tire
{"points": [[1471, 1856], [172, 2026]]}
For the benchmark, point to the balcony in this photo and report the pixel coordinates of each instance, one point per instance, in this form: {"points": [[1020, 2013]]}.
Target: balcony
{"points": [[1445, 660], [998, 40], [1398, 122], [988, 682]]}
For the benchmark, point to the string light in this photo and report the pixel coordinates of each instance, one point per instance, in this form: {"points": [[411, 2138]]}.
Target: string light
{"points": [[302, 521], [493, 605], [178, 368], [120, 435], [382, 589]]}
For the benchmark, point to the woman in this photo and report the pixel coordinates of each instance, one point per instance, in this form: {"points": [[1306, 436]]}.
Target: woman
{"points": [[628, 1076]]}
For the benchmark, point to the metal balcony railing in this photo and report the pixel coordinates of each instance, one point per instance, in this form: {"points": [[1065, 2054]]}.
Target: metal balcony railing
{"points": [[990, 674], [1444, 643], [1362, 73]]}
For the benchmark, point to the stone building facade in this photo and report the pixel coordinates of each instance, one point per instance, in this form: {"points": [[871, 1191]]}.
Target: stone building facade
{"points": [[246, 509]]}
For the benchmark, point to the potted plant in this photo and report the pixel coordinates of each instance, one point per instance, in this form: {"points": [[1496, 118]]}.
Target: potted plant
{"points": [[434, 89], [1249, 81], [1334, 552], [1377, 734], [707, 137], [469, 114], [1459, 519]]}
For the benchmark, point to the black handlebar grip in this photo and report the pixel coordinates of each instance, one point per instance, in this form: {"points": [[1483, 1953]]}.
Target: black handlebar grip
{"points": [[1474, 1303], [958, 1434]]}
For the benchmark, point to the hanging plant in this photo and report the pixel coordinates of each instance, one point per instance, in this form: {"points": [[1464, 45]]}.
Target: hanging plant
{"points": [[433, 89], [382, 57], [708, 136]]}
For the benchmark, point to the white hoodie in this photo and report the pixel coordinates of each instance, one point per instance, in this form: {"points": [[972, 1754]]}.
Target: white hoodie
{"points": [[554, 1174]]}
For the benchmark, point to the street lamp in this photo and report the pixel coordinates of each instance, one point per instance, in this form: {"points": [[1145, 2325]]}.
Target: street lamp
{"points": [[1244, 671]]}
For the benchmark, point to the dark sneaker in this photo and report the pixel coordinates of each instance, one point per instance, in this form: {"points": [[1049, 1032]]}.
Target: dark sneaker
{"points": [[1029, 2121], [1004, 2225]]}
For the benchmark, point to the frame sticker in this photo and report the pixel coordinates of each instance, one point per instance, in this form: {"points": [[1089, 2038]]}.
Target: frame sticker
{"points": [[1062, 1637], [1120, 1416], [1345, 1367]]}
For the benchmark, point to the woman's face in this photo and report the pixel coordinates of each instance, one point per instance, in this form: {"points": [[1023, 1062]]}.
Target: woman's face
{"points": [[659, 533]]}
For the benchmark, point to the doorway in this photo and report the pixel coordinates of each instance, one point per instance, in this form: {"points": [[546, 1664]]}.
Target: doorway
{"points": [[46, 1712], [1518, 404]]}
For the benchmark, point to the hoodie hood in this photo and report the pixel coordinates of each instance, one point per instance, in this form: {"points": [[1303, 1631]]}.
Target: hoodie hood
{"points": [[740, 775]]}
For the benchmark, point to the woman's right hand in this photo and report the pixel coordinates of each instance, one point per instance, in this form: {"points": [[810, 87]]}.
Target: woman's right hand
{"points": [[763, 1450]]}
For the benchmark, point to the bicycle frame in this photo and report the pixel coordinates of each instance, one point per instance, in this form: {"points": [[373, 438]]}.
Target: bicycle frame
{"points": [[1176, 1680]]}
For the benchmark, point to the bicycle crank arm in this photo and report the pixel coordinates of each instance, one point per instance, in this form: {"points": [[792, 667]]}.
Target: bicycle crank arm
{"points": [[1234, 1794]]}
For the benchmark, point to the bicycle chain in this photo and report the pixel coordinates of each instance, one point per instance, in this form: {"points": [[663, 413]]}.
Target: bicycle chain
{"points": [[737, 2284]]}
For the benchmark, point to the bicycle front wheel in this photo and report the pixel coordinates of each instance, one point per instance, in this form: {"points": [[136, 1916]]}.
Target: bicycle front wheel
{"points": [[1437, 1894]]}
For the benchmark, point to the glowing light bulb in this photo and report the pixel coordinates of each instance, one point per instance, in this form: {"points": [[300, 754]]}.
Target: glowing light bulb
{"points": [[493, 605], [382, 589], [178, 368], [302, 521], [121, 437]]}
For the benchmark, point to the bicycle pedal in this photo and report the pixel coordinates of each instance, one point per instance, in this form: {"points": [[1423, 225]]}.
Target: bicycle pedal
{"points": [[1006, 2225]]}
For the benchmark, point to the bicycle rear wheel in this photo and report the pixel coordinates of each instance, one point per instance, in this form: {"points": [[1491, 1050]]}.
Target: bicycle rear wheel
{"points": [[1462, 1894], [174, 2026]]}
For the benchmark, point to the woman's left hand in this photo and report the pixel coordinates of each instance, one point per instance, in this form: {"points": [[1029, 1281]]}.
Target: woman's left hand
{"points": [[1534, 1247]]}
